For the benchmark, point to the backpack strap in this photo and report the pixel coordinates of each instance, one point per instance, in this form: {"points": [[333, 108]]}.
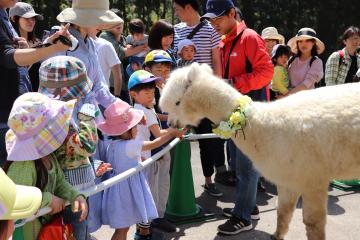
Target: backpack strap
{"points": [[227, 66], [196, 29], [292, 58], [313, 58], [341, 57]]}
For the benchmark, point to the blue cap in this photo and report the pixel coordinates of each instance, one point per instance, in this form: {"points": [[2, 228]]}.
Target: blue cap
{"points": [[140, 77], [216, 8]]}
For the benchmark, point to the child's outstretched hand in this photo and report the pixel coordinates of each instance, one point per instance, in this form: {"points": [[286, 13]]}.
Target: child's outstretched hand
{"points": [[102, 169], [178, 133], [81, 205]]}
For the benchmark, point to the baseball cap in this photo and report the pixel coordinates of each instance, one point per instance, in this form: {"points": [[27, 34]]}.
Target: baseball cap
{"points": [[17, 201], [216, 8], [140, 77], [24, 10], [157, 56]]}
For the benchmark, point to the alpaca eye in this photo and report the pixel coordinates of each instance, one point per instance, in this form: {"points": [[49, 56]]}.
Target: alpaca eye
{"points": [[177, 103]]}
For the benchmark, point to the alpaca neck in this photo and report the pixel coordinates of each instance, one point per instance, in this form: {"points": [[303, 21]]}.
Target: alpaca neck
{"points": [[224, 102]]}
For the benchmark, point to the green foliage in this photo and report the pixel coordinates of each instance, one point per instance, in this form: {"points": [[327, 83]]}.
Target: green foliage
{"points": [[328, 17]]}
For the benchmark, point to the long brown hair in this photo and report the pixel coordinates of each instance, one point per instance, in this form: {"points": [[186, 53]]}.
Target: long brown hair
{"points": [[31, 35]]}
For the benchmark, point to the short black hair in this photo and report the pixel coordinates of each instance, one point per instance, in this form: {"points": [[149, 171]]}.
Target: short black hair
{"points": [[282, 50], [159, 30], [193, 3], [350, 31], [136, 26], [143, 86]]}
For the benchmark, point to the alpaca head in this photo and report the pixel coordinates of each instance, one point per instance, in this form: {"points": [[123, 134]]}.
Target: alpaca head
{"points": [[193, 93], [180, 96]]}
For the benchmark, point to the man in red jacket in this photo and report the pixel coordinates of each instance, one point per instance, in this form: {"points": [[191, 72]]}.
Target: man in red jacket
{"points": [[247, 65]]}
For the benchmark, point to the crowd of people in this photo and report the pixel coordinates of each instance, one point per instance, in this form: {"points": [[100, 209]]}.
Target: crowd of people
{"points": [[80, 105]]}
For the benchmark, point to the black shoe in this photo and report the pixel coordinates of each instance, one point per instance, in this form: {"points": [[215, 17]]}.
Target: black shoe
{"points": [[234, 226], [151, 236], [163, 224], [261, 187], [255, 214], [225, 178], [212, 190], [227, 212]]}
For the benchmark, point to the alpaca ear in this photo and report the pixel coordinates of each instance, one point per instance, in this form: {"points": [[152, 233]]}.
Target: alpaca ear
{"points": [[194, 71], [205, 67]]}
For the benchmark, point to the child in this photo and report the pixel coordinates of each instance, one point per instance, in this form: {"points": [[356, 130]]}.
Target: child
{"points": [[280, 81], [160, 64], [66, 78], [136, 38], [142, 88], [38, 127], [134, 202], [186, 52]]}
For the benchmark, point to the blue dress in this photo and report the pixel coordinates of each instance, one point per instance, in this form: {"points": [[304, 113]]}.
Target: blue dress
{"points": [[130, 201]]}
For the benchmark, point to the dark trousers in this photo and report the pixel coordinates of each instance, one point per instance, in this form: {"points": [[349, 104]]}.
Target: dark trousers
{"points": [[211, 150]]}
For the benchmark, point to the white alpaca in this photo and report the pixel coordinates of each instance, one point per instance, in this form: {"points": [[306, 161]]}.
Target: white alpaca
{"points": [[300, 142]]}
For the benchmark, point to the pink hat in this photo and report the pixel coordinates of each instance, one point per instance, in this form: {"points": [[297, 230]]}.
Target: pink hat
{"points": [[119, 118], [38, 126]]}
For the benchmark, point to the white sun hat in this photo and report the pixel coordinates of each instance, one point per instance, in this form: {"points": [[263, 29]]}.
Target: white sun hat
{"points": [[304, 34], [89, 13]]}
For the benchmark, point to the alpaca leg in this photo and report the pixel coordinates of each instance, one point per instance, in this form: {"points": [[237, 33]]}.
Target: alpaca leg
{"points": [[314, 213], [286, 205]]}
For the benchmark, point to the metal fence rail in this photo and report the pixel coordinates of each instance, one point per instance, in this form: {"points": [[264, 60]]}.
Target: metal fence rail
{"points": [[122, 176]]}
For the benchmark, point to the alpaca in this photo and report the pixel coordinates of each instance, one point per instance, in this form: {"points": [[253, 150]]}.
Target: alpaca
{"points": [[300, 142]]}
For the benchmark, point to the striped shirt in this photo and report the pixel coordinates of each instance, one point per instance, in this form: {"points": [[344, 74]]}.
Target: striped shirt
{"points": [[205, 40]]}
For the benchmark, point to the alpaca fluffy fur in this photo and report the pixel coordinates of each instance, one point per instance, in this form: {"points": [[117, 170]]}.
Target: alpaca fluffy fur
{"points": [[300, 142]]}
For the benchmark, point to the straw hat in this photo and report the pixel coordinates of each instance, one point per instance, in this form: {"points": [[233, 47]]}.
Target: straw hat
{"points": [[38, 126], [89, 13], [16, 201], [119, 118], [272, 33], [303, 34]]}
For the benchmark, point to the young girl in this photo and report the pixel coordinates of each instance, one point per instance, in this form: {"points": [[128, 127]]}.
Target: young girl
{"points": [[134, 202], [280, 81], [24, 19], [305, 68], [38, 127]]}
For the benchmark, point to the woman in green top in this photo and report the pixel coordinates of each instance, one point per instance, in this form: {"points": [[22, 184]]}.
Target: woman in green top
{"points": [[38, 126]]}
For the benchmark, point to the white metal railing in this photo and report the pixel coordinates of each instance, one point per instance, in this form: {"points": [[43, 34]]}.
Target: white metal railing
{"points": [[122, 176]]}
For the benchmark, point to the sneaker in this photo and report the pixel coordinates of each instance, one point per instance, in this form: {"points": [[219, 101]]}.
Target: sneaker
{"points": [[227, 212], [225, 178], [255, 214], [234, 226], [163, 224], [212, 190]]}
